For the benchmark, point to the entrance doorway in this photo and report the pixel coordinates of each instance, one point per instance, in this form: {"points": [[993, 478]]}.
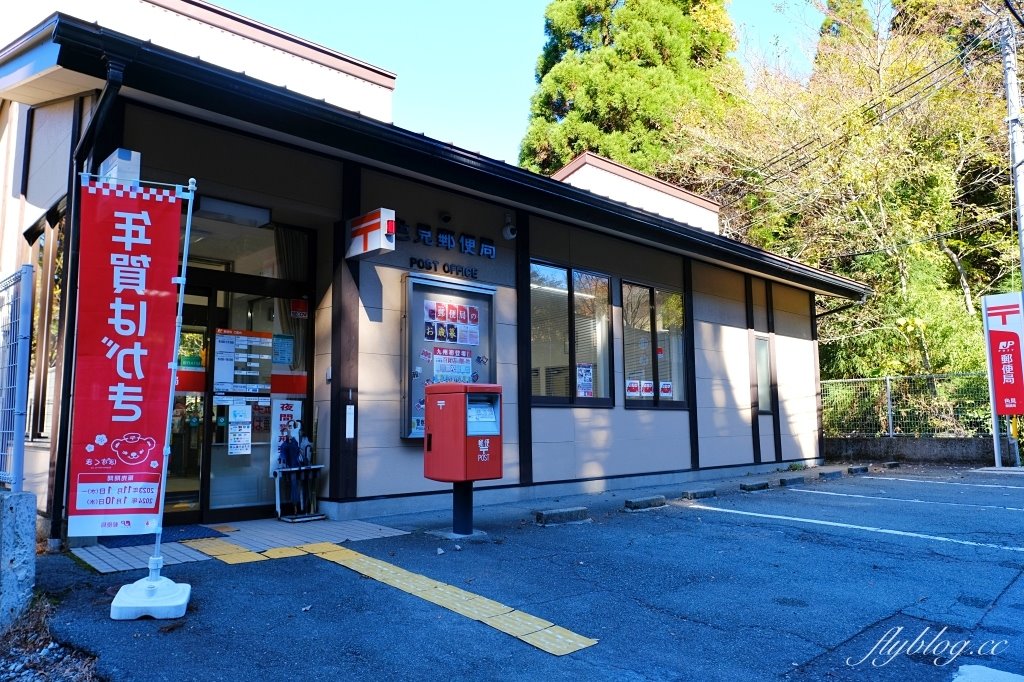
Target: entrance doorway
{"points": [[242, 371]]}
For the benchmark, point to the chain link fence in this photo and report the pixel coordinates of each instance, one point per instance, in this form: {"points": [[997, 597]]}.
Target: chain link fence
{"points": [[15, 327], [944, 405]]}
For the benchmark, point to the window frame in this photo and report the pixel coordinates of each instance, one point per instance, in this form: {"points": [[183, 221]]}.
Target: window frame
{"points": [[656, 402], [573, 400], [760, 337]]}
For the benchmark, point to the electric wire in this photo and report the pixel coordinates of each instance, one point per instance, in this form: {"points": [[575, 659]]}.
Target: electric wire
{"points": [[895, 90], [929, 238], [898, 88], [879, 118], [920, 95]]}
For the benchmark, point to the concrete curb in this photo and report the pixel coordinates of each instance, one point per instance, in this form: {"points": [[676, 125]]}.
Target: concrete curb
{"points": [[857, 470], [644, 503], [829, 475], [550, 517], [792, 480], [751, 487], [699, 493], [891, 465]]}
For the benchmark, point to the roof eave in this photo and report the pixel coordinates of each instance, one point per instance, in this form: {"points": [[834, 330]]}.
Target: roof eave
{"points": [[86, 48]]}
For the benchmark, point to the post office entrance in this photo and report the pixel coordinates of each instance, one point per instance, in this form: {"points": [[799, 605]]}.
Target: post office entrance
{"points": [[242, 371]]}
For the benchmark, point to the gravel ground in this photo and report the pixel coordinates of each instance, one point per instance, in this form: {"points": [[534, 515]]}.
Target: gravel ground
{"points": [[30, 652]]}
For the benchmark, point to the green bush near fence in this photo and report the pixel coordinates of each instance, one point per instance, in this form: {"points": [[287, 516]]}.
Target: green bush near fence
{"points": [[942, 406]]}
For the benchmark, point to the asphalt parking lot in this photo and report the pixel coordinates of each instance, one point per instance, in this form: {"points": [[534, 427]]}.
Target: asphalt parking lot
{"points": [[909, 574]]}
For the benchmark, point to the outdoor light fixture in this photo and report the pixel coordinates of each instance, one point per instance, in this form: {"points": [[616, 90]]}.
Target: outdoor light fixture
{"points": [[231, 212]]}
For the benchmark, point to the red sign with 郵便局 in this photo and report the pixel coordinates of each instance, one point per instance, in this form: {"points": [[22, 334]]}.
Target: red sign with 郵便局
{"points": [[124, 345], [1004, 329]]}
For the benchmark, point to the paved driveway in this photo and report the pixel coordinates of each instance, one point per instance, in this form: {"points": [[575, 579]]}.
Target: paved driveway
{"points": [[902, 575]]}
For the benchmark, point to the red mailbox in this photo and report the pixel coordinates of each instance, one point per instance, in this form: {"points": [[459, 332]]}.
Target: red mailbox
{"points": [[462, 436]]}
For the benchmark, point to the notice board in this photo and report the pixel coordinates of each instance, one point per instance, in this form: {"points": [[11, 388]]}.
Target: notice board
{"points": [[449, 337]]}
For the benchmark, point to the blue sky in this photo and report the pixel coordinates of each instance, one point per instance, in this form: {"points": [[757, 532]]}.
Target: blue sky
{"points": [[466, 67]]}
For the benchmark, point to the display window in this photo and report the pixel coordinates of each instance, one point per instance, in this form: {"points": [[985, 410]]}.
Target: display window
{"points": [[652, 347], [570, 329]]}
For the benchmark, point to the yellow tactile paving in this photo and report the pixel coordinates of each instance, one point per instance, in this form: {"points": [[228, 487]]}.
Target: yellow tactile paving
{"points": [[339, 555], [214, 546], [223, 529], [320, 547], [479, 608], [283, 552], [455, 592], [534, 631], [413, 584], [517, 623], [240, 557], [558, 641], [440, 597]]}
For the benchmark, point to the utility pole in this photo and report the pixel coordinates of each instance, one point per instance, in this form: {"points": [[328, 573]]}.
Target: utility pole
{"points": [[1008, 44]]}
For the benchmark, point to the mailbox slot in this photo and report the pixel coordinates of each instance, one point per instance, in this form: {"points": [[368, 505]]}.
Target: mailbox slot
{"points": [[483, 414]]}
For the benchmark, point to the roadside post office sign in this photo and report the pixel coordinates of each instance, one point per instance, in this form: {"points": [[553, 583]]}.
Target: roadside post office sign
{"points": [[125, 344], [1003, 316]]}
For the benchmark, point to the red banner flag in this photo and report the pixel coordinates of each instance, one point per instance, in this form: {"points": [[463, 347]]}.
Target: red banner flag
{"points": [[127, 305]]}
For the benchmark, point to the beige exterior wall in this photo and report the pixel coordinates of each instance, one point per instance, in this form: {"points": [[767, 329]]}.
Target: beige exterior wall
{"points": [[797, 374], [387, 463], [594, 442], [47, 171], [722, 361], [12, 209]]}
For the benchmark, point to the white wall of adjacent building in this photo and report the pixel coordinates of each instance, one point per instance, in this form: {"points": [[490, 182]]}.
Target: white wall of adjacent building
{"points": [[226, 48]]}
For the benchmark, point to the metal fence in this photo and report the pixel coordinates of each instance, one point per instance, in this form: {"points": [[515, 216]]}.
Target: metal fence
{"points": [[15, 330], [945, 405]]}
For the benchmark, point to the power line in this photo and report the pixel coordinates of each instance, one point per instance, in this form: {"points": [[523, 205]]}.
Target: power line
{"points": [[895, 90], [940, 235], [926, 91]]}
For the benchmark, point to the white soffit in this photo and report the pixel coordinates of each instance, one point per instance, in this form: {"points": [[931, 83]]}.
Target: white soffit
{"points": [[33, 77]]}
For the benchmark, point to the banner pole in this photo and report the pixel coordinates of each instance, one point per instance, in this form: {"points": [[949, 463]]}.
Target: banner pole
{"points": [[156, 561]]}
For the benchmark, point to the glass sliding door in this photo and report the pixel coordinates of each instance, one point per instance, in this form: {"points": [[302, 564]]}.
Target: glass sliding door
{"points": [[260, 373]]}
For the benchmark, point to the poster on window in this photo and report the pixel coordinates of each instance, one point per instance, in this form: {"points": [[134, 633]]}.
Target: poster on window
{"points": [[125, 340], [584, 380], [239, 429], [243, 361], [633, 388], [647, 389], [665, 390], [285, 422]]}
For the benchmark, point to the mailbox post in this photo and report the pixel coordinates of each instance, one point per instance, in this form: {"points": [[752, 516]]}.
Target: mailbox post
{"points": [[462, 442]]}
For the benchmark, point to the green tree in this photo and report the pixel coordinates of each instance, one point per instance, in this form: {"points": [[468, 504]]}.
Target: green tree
{"points": [[843, 17], [892, 171], [616, 75]]}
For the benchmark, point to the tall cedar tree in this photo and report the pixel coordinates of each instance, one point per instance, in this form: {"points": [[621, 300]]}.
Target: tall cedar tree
{"points": [[616, 75]]}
